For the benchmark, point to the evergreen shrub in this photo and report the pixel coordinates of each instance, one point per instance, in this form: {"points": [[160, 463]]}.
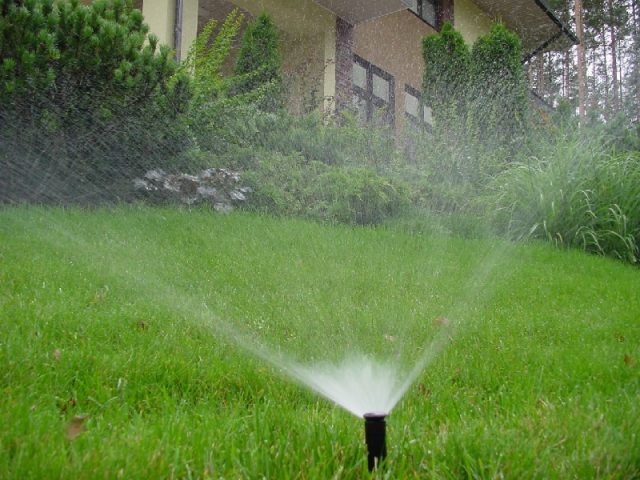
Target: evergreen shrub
{"points": [[479, 104], [259, 63], [87, 97]]}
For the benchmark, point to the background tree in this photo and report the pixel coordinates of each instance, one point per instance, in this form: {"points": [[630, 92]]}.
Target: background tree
{"points": [[600, 76]]}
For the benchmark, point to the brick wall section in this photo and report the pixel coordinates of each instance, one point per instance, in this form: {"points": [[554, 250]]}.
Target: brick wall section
{"points": [[344, 63]]}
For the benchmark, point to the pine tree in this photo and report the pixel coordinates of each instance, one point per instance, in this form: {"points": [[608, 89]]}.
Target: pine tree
{"points": [[88, 83]]}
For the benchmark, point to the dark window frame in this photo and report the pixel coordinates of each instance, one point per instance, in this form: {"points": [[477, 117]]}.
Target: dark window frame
{"points": [[439, 15], [373, 102], [417, 121]]}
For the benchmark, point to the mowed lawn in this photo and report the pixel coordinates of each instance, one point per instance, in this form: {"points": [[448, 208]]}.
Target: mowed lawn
{"points": [[126, 338]]}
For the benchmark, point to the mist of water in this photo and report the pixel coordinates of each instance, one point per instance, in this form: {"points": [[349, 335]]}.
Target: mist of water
{"points": [[359, 382]]}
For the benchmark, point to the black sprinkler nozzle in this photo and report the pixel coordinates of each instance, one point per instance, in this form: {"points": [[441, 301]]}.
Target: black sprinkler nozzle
{"points": [[375, 434]]}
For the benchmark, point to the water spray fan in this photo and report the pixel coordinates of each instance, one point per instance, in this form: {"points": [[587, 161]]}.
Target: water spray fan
{"points": [[375, 434]]}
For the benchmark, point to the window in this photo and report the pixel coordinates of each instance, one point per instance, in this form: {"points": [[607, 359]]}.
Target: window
{"points": [[414, 110], [428, 10], [373, 92]]}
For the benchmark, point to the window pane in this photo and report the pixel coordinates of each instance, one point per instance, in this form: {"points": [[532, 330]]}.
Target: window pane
{"points": [[429, 11], [411, 104], [412, 5], [381, 87], [359, 76]]}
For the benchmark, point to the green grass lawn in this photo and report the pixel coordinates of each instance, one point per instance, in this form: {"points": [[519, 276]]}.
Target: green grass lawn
{"points": [[136, 318]]}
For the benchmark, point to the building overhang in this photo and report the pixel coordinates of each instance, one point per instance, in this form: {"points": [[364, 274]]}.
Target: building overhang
{"points": [[533, 20], [536, 24], [358, 11]]}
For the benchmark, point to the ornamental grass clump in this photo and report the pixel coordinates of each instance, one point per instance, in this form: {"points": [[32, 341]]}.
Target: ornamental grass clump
{"points": [[574, 193]]}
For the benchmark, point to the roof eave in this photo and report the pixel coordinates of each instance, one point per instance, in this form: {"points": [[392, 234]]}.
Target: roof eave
{"points": [[563, 28]]}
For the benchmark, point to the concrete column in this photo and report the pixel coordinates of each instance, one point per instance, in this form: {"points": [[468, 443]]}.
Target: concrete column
{"points": [[189, 26], [329, 91]]}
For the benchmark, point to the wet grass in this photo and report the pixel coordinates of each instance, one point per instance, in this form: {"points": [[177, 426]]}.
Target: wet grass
{"points": [[115, 315]]}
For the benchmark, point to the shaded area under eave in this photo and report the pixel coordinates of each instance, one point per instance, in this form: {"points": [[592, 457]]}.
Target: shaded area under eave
{"points": [[358, 11], [533, 20], [535, 23]]}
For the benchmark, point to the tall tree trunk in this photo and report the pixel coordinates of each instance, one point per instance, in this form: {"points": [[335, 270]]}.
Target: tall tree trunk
{"points": [[582, 77], [621, 76], [594, 81], [566, 74], [540, 75], [636, 58], [614, 57], [605, 72]]}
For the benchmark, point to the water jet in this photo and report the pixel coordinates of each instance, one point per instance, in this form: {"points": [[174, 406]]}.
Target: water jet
{"points": [[375, 434]]}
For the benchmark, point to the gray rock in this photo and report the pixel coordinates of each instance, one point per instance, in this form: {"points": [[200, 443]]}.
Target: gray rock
{"points": [[217, 186]]}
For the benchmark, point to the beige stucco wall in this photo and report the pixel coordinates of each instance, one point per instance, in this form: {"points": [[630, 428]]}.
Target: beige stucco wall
{"points": [[394, 44], [470, 21], [189, 26], [160, 16]]}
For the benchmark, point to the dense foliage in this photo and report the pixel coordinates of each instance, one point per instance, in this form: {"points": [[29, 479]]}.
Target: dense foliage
{"points": [[575, 192], [479, 103], [85, 94], [498, 92], [258, 63], [446, 81], [478, 96]]}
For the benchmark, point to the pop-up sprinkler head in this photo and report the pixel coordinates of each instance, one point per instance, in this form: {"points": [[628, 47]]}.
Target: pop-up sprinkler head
{"points": [[375, 434]]}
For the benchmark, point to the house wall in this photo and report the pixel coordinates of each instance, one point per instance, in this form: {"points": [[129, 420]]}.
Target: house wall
{"points": [[394, 44], [470, 20], [317, 48]]}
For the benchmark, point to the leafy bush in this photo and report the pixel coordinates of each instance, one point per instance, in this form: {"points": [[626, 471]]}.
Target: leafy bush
{"points": [[291, 185], [575, 193], [481, 93], [233, 129], [450, 175]]}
